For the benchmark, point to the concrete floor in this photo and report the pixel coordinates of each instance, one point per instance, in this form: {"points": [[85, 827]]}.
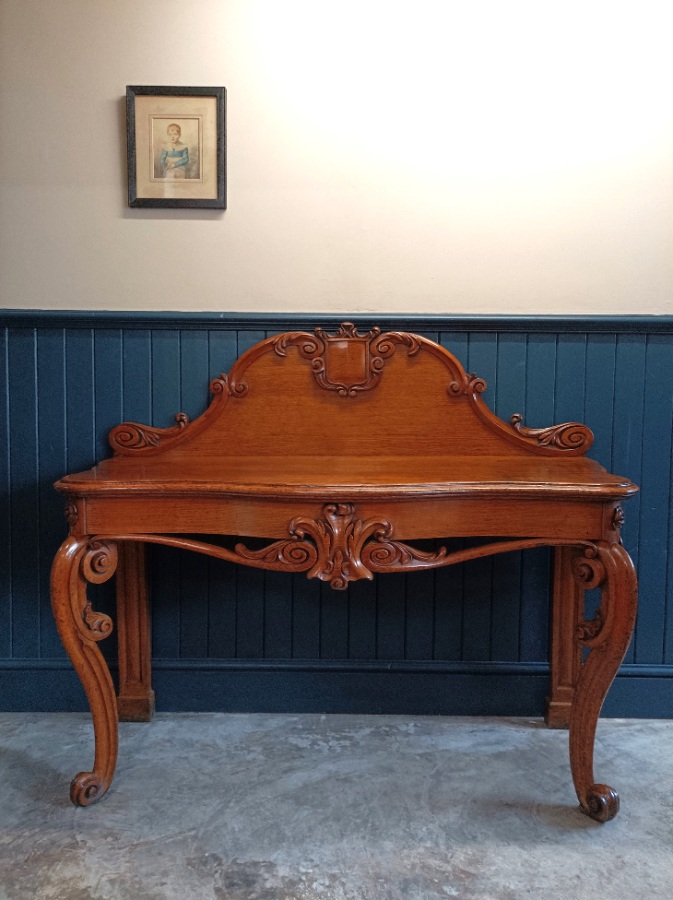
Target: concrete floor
{"points": [[294, 807]]}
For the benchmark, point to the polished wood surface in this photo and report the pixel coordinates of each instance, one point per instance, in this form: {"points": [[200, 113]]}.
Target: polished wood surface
{"points": [[341, 450], [135, 701]]}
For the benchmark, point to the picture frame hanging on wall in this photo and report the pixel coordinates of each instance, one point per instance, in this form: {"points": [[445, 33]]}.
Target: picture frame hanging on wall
{"points": [[176, 146]]}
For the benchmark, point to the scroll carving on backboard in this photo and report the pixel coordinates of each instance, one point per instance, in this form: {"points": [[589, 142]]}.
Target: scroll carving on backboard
{"points": [[567, 436]]}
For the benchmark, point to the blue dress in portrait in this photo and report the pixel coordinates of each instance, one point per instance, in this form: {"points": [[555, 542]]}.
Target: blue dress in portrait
{"points": [[179, 157]]}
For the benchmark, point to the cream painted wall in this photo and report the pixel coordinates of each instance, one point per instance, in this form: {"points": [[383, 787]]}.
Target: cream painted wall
{"points": [[439, 157]]}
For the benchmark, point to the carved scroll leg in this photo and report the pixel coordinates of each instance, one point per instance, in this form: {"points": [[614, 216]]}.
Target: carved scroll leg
{"points": [[77, 562], [564, 655], [135, 702], [607, 637]]}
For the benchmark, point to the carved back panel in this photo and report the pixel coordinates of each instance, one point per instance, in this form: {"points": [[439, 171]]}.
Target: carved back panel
{"points": [[348, 394]]}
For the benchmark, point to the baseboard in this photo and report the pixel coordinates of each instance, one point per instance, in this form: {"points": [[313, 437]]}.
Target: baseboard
{"points": [[323, 686]]}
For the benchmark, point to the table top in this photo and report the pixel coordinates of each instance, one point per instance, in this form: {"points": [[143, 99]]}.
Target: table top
{"points": [[356, 476]]}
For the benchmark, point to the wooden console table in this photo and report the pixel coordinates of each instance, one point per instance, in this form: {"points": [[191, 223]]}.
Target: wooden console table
{"points": [[341, 449]]}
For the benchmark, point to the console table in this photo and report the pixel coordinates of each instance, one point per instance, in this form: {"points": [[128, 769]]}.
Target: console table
{"points": [[341, 450]]}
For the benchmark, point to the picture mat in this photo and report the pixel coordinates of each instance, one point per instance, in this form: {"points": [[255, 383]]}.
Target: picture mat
{"points": [[149, 108]]}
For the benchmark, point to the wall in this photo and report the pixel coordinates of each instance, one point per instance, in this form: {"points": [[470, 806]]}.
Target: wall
{"points": [[475, 157]]}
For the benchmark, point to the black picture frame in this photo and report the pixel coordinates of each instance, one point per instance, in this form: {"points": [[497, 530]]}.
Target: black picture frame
{"points": [[189, 173]]}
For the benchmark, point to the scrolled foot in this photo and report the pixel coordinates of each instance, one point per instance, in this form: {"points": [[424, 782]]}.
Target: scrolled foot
{"points": [[601, 803], [87, 788]]}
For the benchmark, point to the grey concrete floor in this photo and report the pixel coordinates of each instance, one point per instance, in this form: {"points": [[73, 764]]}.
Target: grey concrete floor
{"points": [[294, 807]]}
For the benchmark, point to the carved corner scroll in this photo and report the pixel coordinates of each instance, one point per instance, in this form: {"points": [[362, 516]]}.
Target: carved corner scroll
{"points": [[346, 362], [98, 564], [568, 436], [130, 436], [589, 571]]}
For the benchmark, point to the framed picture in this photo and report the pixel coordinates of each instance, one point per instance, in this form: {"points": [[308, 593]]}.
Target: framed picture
{"points": [[176, 146]]}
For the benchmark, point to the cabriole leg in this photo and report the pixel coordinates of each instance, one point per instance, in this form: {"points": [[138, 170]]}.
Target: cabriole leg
{"points": [[607, 638], [78, 561]]}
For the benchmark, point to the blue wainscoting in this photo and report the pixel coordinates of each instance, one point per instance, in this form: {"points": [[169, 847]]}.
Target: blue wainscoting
{"points": [[469, 640]]}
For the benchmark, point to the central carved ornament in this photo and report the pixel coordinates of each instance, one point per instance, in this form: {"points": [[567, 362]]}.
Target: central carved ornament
{"points": [[339, 538], [340, 548], [346, 362]]}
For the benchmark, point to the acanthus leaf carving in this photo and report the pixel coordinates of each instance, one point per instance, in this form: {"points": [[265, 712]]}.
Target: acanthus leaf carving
{"points": [[469, 385], [98, 624], [384, 346], [589, 630], [309, 346], [339, 538], [386, 555], [71, 513], [226, 386], [567, 436], [290, 555], [131, 436]]}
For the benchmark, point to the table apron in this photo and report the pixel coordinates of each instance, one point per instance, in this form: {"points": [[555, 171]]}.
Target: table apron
{"points": [[410, 519]]}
